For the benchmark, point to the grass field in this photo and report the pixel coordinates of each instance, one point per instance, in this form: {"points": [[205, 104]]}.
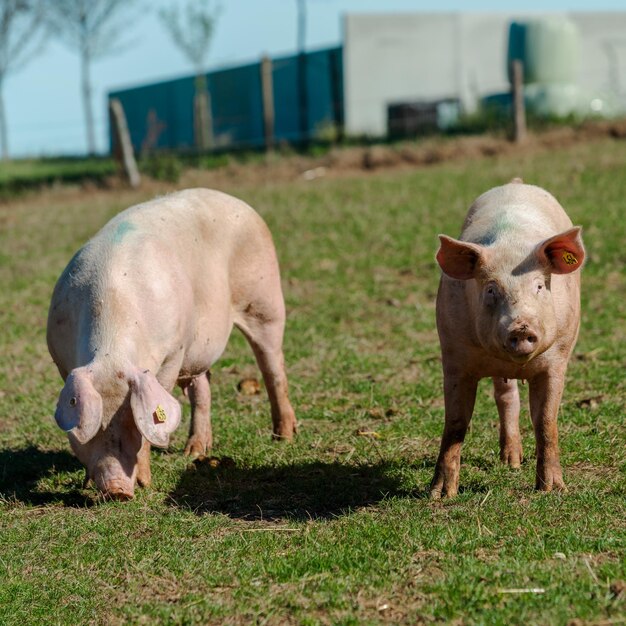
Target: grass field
{"points": [[335, 528], [21, 175]]}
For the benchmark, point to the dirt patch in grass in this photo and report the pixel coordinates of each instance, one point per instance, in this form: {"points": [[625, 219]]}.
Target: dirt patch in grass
{"points": [[359, 160], [338, 162]]}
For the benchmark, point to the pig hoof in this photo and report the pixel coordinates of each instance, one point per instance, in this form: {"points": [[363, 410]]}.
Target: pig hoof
{"points": [[436, 488], [550, 482], [512, 456], [285, 431], [435, 494], [287, 436], [442, 489], [445, 483], [144, 481], [195, 447], [555, 486]]}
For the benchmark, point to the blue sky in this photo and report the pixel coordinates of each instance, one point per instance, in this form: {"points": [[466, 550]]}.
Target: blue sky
{"points": [[44, 109]]}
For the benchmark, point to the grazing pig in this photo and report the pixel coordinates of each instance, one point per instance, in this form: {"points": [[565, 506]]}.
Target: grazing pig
{"points": [[508, 307], [149, 302]]}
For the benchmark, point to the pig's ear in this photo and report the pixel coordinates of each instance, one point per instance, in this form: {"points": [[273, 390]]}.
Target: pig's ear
{"points": [[563, 253], [458, 259], [79, 410], [156, 412]]}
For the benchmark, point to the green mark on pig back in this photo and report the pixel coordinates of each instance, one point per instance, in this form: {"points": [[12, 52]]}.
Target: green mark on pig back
{"points": [[501, 224], [123, 228]]}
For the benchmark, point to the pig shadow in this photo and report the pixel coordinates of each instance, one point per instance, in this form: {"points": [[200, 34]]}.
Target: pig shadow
{"points": [[301, 491], [21, 470]]}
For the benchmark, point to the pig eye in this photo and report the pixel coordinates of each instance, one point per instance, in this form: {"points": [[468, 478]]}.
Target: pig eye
{"points": [[72, 401], [491, 294], [539, 287]]}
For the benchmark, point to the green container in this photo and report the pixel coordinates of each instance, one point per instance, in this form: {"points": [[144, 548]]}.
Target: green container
{"points": [[553, 100], [551, 50]]}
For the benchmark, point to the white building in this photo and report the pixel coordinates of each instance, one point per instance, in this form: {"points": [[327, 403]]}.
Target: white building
{"points": [[422, 57]]}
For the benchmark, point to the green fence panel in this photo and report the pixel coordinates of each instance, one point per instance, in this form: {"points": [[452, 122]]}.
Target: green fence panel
{"points": [[160, 116]]}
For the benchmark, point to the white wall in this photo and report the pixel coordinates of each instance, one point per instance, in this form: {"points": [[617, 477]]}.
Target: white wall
{"points": [[391, 58], [603, 47]]}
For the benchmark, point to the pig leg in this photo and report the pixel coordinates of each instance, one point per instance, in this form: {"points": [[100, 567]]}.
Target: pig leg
{"points": [[144, 476], [200, 435], [265, 336], [272, 365], [460, 396], [506, 395], [545, 391]]}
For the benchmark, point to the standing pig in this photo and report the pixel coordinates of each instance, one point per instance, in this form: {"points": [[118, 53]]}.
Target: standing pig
{"points": [[508, 307], [149, 302]]}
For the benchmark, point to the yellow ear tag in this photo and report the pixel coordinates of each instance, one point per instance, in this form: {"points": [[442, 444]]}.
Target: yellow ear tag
{"points": [[159, 414], [569, 258]]}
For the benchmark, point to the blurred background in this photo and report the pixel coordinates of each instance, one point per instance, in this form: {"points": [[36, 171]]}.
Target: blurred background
{"points": [[203, 75]]}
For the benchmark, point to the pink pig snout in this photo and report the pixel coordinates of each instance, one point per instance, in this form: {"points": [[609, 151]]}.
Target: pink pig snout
{"points": [[114, 483], [521, 340], [118, 490]]}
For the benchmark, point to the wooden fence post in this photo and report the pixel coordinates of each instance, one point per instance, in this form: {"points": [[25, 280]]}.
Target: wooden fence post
{"points": [[519, 110], [123, 148], [202, 117], [267, 89]]}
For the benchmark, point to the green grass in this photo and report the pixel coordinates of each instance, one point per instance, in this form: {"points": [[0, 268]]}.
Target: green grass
{"points": [[27, 174], [336, 528]]}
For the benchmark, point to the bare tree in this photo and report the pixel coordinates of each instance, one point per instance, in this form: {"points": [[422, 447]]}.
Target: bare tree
{"points": [[93, 28], [22, 34], [191, 28], [303, 97]]}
